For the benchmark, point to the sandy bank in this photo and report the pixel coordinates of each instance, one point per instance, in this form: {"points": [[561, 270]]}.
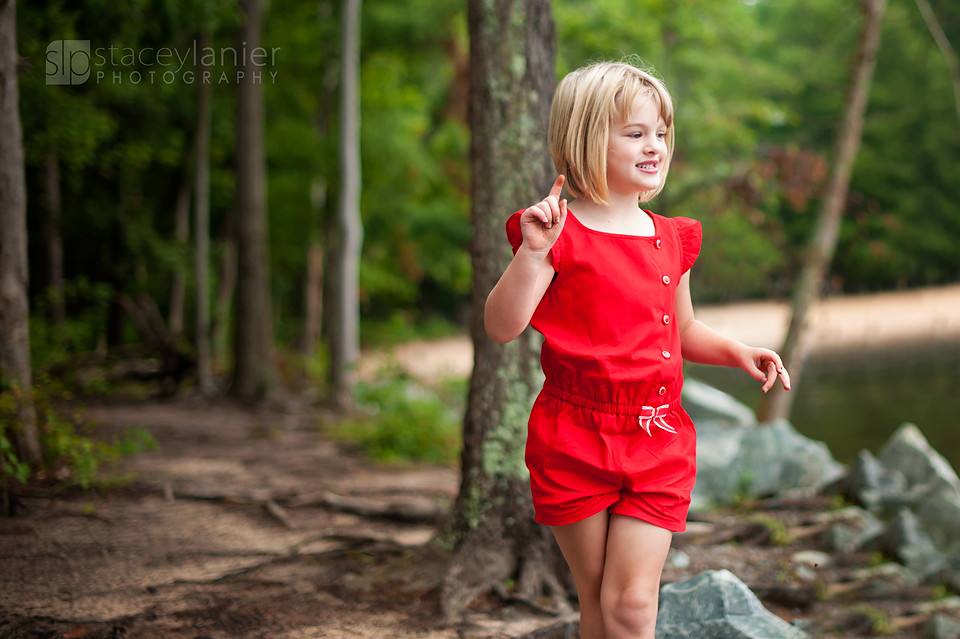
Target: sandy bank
{"points": [[848, 323]]}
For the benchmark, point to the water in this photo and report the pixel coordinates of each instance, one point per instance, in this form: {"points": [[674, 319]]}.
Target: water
{"points": [[857, 401]]}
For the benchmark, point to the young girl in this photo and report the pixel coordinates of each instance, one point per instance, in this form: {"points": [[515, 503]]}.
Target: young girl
{"points": [[611, 453]]}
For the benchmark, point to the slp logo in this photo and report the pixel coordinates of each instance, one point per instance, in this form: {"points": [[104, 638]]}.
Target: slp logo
{"points": [[68, 61]]}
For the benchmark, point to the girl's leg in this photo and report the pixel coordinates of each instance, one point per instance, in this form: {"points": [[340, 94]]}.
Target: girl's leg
{"points": [[635, 555], [584, 545]]}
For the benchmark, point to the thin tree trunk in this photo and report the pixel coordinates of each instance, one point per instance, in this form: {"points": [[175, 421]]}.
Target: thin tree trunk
{"points": [[948, 53], [254, 377], [228, 281], [202, 235], [180, 233], [347, 345], [512, 50], [51, 237], [14, 305], [313, 298], [776, 404]]}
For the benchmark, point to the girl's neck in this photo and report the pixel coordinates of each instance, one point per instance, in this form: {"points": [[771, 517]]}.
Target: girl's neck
{"points": [[622, 215]]}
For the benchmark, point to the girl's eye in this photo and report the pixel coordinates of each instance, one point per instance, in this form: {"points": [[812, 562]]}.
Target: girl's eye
{"points": [[635, 135], [661, 135]]}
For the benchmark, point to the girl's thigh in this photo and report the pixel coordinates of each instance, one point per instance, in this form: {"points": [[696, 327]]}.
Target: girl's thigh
{"points": [[584, 546], [635, 554]]}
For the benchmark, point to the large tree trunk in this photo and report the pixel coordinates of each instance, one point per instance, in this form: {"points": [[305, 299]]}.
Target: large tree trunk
{"points": [[313, 298], [14, 305], [776, 404], [254, 377], [949, 55], [346, 351], [512, 49], [202, 236], [51, 237], [181, 233]]}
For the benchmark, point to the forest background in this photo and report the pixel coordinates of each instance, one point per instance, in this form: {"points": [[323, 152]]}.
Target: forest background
{"points": [[759, 88]]}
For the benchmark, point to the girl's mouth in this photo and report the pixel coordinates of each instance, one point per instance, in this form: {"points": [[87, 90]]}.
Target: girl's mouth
{"points": [[648, 167]]}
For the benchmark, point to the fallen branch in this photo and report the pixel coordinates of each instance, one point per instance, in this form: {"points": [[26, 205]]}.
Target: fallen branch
{"points": [[403, 511]]}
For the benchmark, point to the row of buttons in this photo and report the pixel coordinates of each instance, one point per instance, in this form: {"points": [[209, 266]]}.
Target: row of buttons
{"points": [[666, 320]]}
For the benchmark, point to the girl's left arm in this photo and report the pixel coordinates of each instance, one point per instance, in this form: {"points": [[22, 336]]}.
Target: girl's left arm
{"points": [[703, 345]]}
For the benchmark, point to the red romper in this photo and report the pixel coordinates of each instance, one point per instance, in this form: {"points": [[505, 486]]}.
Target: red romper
{"points": [[607, 430]]}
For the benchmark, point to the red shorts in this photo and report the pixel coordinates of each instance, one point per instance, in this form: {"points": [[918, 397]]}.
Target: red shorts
{"points": [[583, 460]]}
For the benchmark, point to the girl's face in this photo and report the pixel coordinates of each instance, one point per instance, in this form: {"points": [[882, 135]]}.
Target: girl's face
{"points": [[637, 150]]}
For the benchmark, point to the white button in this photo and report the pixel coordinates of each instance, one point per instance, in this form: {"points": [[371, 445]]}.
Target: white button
{"points": [[666, 354], [666, 279], [662, 391], [658, 243], [666, 319]]}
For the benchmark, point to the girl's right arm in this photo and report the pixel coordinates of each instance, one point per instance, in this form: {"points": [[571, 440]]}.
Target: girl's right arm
{"points": [[513, 300]]}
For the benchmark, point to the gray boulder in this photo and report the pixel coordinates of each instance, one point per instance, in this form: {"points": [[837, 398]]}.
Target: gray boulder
{"points": [[908, 452], [717, 605], [852, 528], [717, 447], [709, 407], [942, 626], [871, 484], [774, 457], [940, 514], [906, 541]]}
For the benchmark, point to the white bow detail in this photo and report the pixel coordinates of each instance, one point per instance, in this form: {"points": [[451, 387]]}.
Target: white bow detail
{"points": [[656, 416]]}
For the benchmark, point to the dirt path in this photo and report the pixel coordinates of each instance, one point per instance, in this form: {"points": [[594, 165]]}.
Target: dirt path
{"points": [[849, 323]]}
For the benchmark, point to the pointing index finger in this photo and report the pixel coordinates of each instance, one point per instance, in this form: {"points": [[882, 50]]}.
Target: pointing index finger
{"points": [[557, 187]]}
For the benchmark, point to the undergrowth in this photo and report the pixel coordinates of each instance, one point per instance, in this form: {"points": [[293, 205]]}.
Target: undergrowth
{"points": [[408, 421], [71, 452]]}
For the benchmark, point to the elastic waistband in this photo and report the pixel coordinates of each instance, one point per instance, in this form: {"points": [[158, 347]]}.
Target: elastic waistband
{"points": [[607, 407]]}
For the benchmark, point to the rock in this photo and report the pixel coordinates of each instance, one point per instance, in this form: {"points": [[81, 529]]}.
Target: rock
{"points": [[717, 605], [812, 558], [774, 457], [906, 541], [940, 514], [717, 447], [679, 559], [852, 528], [908, 451], [942, 626], [709, 407], [805, 573], [870, 483]]}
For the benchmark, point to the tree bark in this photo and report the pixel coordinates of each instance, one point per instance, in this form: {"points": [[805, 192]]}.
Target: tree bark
{"points": [[512, 50], [347, 344], [51, 237], [14, 305], [254, 377], [228, 281], [776, 404], [181, 234], [949, 55], [202, 235], [313, 297]]}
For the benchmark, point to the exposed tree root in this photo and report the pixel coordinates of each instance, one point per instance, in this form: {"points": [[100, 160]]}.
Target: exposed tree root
{"points": [[402, 511], [566, 628]]}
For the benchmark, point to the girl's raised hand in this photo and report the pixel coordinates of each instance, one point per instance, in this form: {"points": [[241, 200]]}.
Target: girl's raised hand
{"points": [[764, 366], [542, 223]]}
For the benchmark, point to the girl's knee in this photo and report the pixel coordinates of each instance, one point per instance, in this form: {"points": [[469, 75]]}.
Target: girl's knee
{"points": [[633, 607]]}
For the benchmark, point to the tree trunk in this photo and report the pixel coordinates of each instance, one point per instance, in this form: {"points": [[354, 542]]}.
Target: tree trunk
{"points": [[313, 298], [181, 233], [776, 404], [254, 377], [512, 50], [202, 235], [51, 237], [347, 344], [949, 55], [14, 305], [228, 281]]}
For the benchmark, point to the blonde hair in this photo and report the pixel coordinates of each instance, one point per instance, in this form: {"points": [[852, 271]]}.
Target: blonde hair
{"points": [[586, 104]]}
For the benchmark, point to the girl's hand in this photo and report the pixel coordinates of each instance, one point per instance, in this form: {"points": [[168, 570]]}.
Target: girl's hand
{"points": [[764, 366], [541, 223]]}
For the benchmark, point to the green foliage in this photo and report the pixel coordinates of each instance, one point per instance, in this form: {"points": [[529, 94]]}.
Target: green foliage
{"points": [[409, 422], [71, 451]]}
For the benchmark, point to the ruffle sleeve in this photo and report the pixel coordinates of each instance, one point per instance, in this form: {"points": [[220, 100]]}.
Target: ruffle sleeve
{"points": [[515, 236], [691, 238]]}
